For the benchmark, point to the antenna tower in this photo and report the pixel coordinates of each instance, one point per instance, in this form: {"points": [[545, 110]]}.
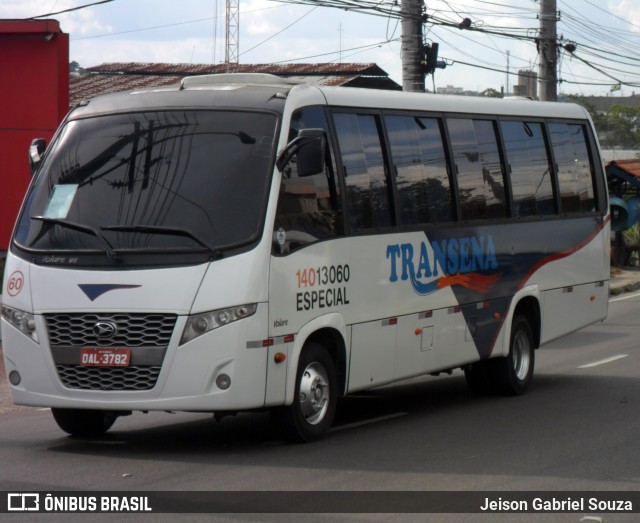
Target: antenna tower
{"points": [[232, 34]]}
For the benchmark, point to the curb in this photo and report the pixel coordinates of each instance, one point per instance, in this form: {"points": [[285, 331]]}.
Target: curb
{"points": [[628, 287]]}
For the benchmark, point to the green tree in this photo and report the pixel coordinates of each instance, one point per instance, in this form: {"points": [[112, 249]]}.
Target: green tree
{"points": [[491, 93], [619, 126], [599, 119], [623, 126]]}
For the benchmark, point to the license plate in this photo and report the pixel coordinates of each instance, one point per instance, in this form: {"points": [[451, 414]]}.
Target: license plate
{"points": [[90, 357]]}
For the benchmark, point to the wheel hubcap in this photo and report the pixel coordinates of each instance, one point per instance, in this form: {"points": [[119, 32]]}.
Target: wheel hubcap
{"points": [[521, 355], [314, 393]]}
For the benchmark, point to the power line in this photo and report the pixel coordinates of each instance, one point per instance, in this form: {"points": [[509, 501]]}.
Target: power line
{"points": [[596, 68], [362, 47], [384, 8], [598, 47], [600, 33], [208, 19], [452, 61], [584, 29], [611, 14], [71, 9], [174, 24], [281, 30]]}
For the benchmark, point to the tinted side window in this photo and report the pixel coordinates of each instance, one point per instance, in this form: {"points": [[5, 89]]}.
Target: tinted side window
{"points": [[478, 168], [365, 177], [422, 182], [309, 208], [531, 183], [574, 167]]}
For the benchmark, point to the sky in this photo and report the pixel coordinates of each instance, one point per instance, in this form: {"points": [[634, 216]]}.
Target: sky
{"points": [[606, 34]]}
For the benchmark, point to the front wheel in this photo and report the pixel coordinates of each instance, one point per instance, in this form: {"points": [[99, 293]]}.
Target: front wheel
{"points": [[84, 423], [314, 405], [513, 373]]}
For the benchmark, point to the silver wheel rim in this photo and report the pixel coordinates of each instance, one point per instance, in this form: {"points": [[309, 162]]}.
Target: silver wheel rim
{"points": [[521, 355], [314, 393]]}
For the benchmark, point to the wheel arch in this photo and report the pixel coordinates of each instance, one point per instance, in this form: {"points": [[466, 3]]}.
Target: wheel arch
{"points": [[333, 341], [330, 332], [529, 307]]}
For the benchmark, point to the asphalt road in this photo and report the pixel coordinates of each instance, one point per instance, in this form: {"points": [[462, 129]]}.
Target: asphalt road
{"points": [[577, 429]]}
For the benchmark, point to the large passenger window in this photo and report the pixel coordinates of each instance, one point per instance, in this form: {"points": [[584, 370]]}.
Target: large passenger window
{"points": [[364, 172], [478, 169], [531, 183], [309, 207], [574, 167], [424, 193]]}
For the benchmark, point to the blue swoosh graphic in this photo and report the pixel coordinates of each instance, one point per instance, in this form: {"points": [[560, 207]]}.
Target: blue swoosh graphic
{"points": [[420, 287], [424, 288]]}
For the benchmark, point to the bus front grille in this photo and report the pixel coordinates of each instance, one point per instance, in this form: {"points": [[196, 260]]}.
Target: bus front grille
{"points": [[146, 335], [131, 329], [108, 378]]}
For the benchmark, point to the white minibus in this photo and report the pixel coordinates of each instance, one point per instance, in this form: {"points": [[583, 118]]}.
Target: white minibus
{"points": [[239, 242]]}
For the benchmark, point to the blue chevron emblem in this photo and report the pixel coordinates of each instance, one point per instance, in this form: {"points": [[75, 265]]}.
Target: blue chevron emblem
{"points": [[95, 290]]}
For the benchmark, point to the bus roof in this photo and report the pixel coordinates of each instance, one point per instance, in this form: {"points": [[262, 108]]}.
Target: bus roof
{"points": [[192, 94], [262, 91], [356, 97]]}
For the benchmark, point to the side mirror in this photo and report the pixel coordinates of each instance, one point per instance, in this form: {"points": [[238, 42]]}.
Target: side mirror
{"points": [[311, 152], [309, 147], [36, 150]]}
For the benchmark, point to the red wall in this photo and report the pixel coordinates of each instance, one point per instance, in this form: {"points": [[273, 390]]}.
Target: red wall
{"points": [[34, 97]]}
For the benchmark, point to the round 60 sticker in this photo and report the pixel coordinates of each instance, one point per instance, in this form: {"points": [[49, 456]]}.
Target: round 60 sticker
{"points": [[15, 283]]}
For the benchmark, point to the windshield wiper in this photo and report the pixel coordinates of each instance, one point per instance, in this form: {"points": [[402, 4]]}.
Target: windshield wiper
{"points": [[79, 227], [180, 231]]}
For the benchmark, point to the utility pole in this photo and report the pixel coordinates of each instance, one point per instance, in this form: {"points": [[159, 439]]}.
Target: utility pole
{"points": [[506, 92], [548, 51], [411, 46]]}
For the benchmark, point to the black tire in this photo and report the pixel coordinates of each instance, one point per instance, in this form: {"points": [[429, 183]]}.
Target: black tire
{"points": [[84, 423], [511, 375], [477, 376], [316, 395]]}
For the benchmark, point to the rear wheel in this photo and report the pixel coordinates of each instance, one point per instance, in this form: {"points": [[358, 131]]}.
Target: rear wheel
{"points": [[513, 374], [84, 423], [316, 394]]}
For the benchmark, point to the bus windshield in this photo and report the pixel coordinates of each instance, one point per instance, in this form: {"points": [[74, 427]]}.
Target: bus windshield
{"points": [[169, 181]]}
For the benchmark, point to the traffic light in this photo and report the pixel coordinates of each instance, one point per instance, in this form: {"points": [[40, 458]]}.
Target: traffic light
{"points": [[430, 62]]}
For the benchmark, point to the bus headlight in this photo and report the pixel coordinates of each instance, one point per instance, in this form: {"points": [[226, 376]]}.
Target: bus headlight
{"points": [[198, 324], [23, 321]]}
